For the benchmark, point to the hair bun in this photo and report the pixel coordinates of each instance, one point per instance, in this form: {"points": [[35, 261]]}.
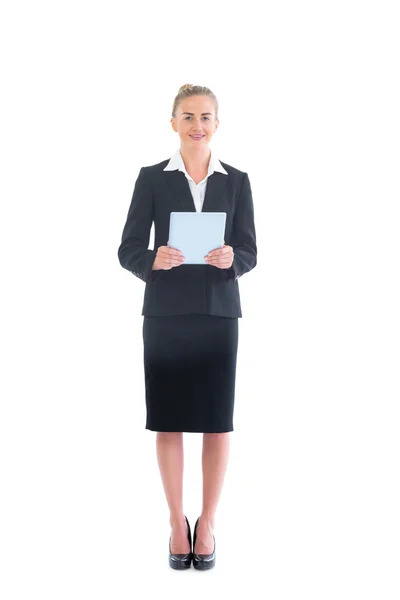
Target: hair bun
{"points": [[185, 86]]}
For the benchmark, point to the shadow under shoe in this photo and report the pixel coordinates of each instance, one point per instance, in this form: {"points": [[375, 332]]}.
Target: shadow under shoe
{"points": [[181, 561], [202, 561]]}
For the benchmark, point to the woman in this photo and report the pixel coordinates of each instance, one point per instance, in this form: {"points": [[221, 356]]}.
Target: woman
{"points": [[190, 325]]}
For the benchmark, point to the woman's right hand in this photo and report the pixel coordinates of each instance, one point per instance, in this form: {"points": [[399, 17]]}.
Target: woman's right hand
{"points": [[167, 257]]}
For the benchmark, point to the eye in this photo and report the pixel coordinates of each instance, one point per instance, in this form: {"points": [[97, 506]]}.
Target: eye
{"points": [[189, 117]]}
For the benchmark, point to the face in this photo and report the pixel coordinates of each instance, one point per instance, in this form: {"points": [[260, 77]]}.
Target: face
{"points": [[196, 122]]}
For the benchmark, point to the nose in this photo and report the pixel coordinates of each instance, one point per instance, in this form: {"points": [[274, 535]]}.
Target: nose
{"points": [[196, 127]]}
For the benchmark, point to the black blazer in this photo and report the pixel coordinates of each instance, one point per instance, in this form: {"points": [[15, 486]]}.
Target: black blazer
{"points": [[186, 289]]}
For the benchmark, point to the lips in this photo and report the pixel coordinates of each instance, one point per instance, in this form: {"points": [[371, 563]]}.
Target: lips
{"points": [[197, 137]]}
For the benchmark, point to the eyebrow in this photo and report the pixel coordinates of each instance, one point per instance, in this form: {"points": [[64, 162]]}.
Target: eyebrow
{"points": [[189, 113]]}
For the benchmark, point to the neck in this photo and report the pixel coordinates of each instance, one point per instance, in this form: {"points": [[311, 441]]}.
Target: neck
{"points": [[196, 158]]}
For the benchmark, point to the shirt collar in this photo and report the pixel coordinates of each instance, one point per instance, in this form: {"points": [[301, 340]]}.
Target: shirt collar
{"points": [[176, 162]]}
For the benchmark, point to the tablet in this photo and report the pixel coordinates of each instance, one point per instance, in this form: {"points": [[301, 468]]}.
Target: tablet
{"points": [[195, 234]]}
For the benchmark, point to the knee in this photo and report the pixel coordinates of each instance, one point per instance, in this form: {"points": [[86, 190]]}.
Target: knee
{"points": [[169, 435], [217, 436]]}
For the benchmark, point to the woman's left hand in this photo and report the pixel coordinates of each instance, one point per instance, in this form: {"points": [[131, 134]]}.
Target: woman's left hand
{"points": [[221, 257]]}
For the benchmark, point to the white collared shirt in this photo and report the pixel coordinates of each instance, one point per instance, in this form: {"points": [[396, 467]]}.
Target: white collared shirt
{"points": [[198, 189]]}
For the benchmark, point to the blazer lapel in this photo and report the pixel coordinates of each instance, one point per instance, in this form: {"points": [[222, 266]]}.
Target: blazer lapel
{"points": [[214, 200]]}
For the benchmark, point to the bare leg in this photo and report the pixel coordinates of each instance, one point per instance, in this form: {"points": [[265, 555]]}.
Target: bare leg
{"points": [[214, 461], [169, 447]]}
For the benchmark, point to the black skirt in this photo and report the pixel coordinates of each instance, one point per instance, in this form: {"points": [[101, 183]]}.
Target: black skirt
{"points": [[190, 372]]}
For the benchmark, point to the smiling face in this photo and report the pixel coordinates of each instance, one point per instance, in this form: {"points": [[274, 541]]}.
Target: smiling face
{"points": [[195, 116]]}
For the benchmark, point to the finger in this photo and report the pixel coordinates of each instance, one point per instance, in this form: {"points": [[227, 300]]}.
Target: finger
{"points": [[172, 262], [221, 264], [225, 257], [220, 251], [172, 252]]}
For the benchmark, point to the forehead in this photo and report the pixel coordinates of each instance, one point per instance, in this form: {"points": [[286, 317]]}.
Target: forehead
{"points": [[197, 105]]}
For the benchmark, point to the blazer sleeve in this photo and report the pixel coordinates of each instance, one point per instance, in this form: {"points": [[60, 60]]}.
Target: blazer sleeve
{"points": [[243, 240], [133, 252]]}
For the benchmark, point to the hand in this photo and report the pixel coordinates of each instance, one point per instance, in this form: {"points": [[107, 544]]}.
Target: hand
{"points": [[167, 257], [221, 257]]}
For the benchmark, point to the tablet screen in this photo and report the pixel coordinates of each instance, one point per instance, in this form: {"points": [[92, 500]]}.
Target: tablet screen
{"points": [[195, 234]]}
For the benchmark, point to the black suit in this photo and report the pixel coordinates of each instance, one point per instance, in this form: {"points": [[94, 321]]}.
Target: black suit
{"points": [[188, 289]]}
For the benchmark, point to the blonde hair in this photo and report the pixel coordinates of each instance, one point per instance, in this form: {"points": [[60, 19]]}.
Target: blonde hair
{"points": [[187, 90]]}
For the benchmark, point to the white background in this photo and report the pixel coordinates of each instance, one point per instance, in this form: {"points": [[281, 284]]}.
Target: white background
{"points": [[309, 108]]}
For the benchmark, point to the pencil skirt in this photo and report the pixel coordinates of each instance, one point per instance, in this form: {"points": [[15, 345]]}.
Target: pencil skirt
{"points": [[190, 372]]}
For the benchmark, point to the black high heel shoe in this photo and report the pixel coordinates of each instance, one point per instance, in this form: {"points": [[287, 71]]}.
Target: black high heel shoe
{"points": [[181, 561], [202, 561]]}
